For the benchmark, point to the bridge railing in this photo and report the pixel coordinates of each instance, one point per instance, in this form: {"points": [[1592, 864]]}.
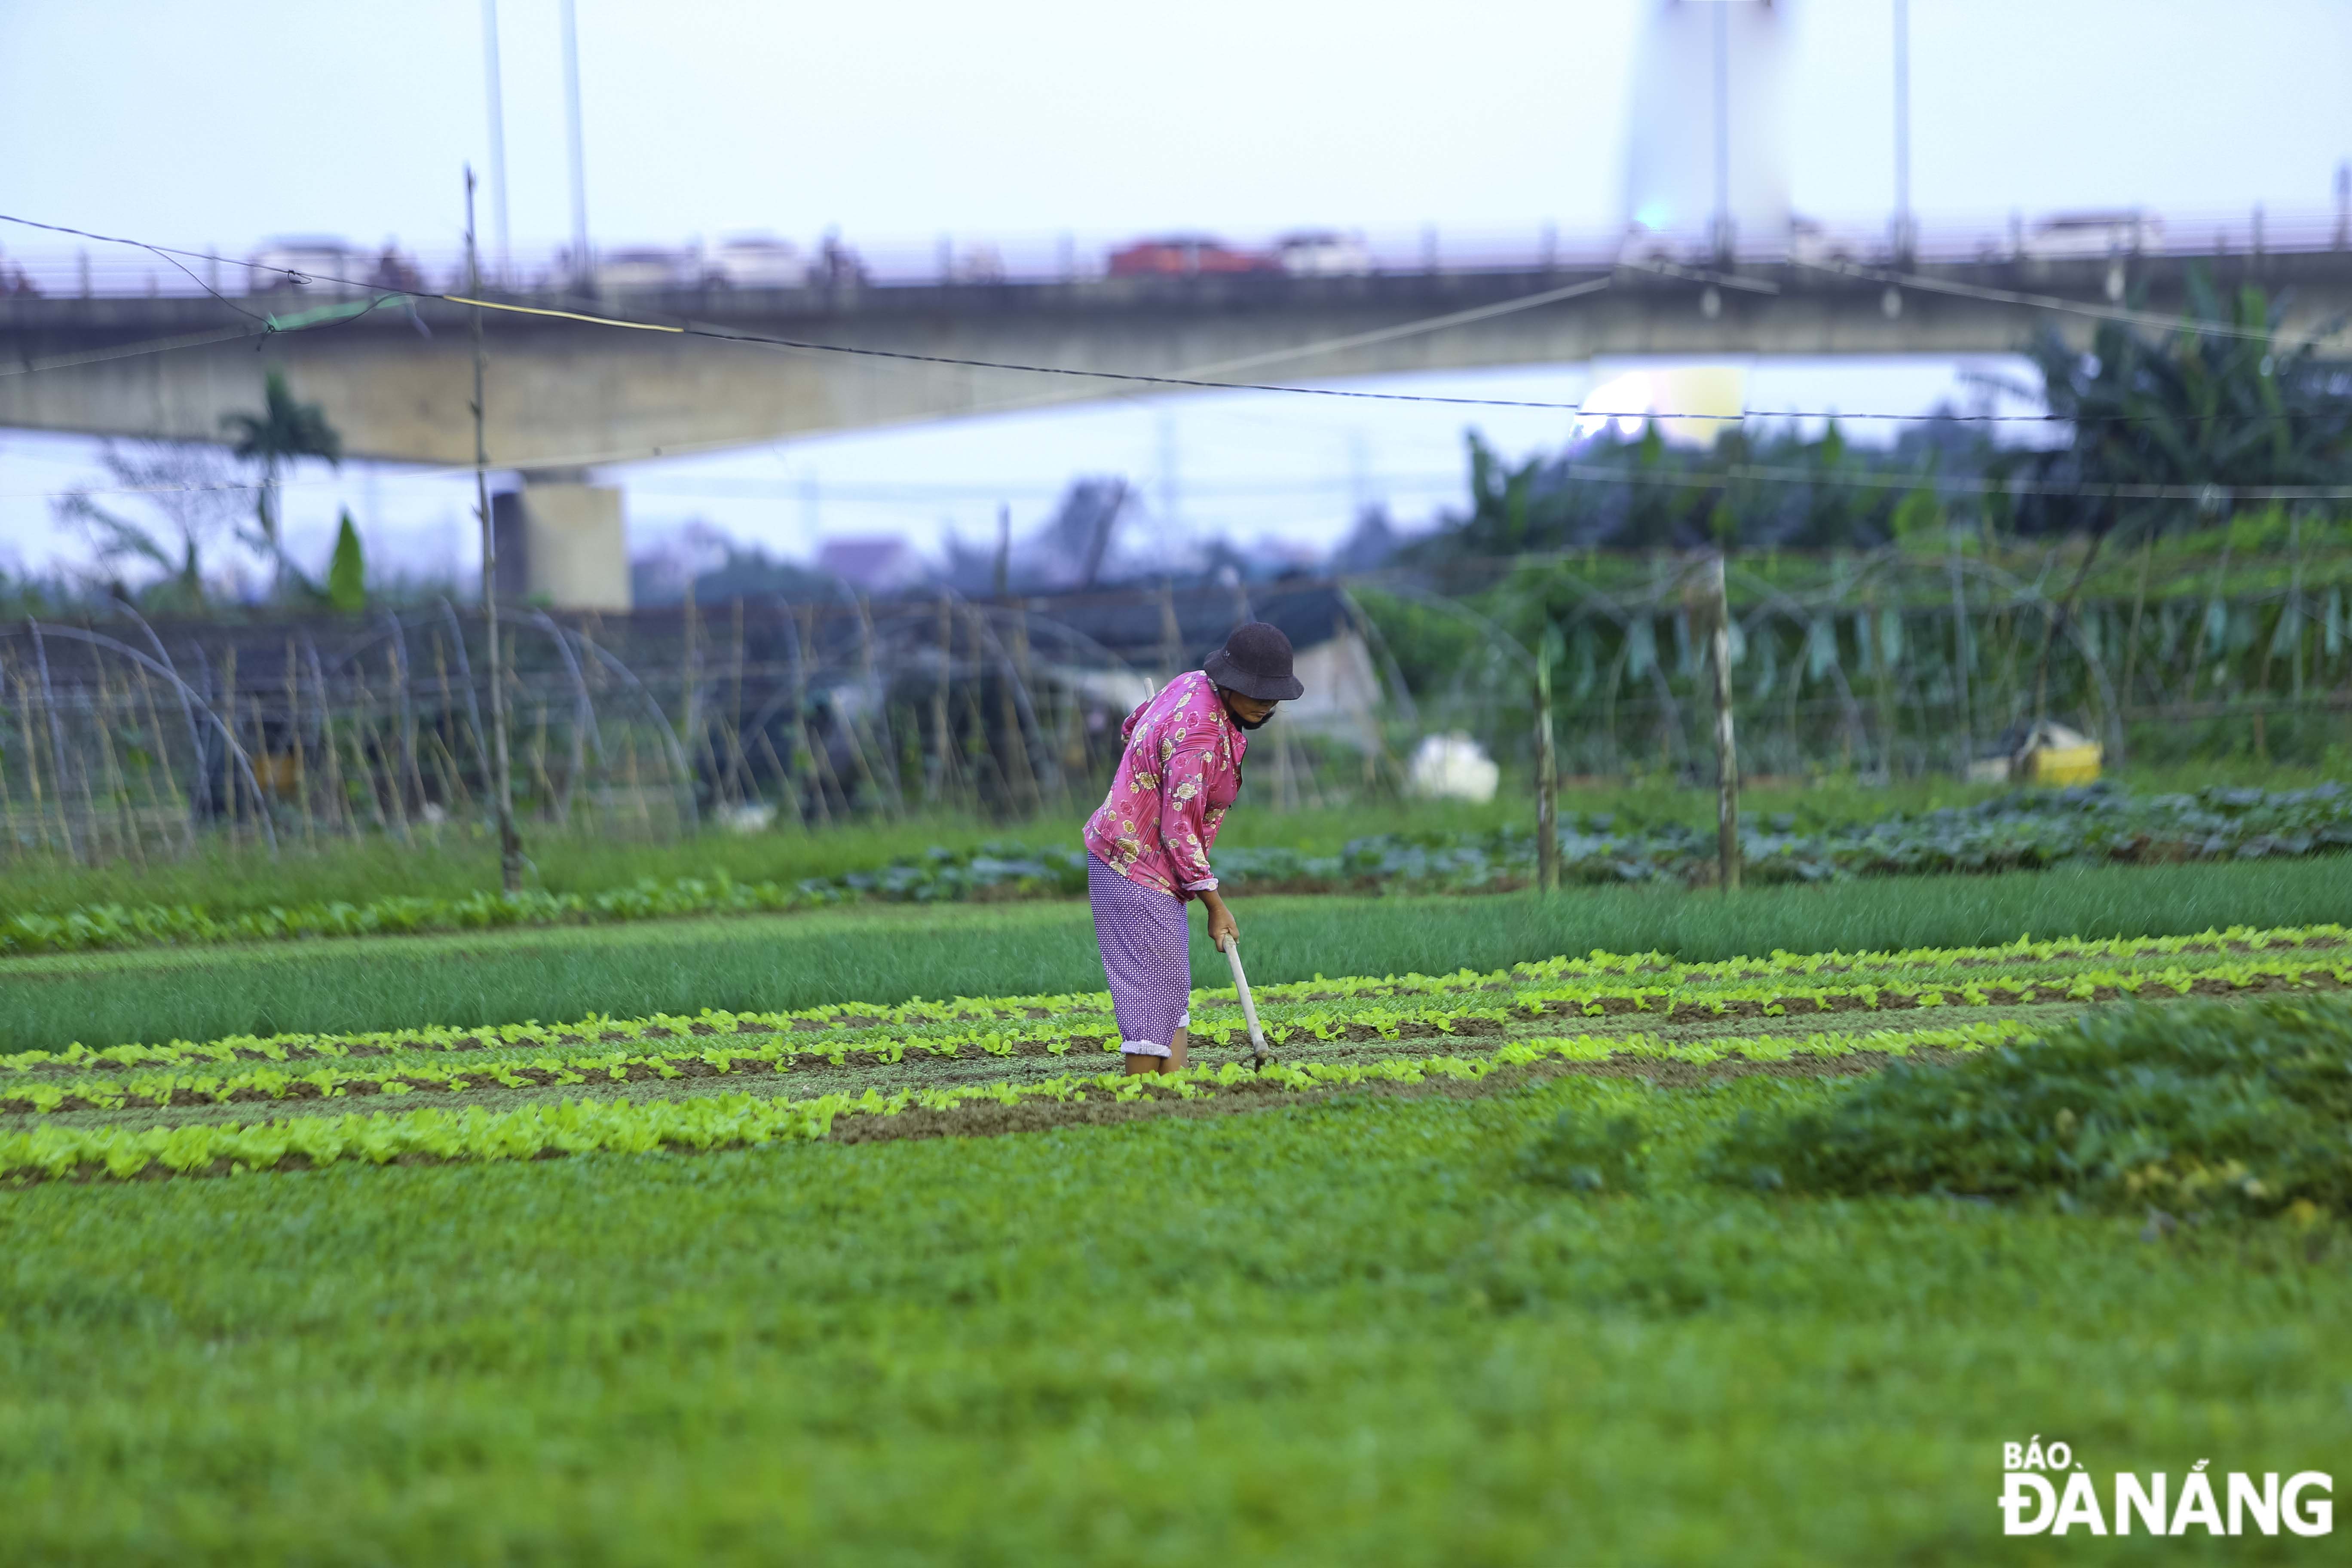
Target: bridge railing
{"points": [[116, 272]]}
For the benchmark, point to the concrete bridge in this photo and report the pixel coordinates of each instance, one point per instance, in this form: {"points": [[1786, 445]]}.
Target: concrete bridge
{"points": [[565, 394]]}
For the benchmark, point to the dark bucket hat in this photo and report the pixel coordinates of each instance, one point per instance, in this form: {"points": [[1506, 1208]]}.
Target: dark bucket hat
{"points": [[1255, 662]]}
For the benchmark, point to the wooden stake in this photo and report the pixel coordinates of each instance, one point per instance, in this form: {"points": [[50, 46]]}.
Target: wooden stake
{"points": [[57, 740], [943, 766]]}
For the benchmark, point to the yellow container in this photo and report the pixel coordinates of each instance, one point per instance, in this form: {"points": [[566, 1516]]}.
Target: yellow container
{"points": [[2064, 764]]}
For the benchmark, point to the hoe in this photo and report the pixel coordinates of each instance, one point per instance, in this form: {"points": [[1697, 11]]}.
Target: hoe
{"points": [[1259, 1055]]}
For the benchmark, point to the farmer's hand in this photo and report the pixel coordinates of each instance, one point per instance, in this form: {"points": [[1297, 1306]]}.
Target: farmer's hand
{"points": [[1222, 928]]}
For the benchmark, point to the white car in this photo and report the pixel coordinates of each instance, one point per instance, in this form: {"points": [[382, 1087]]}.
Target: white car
{"points": [[755, 261], [309, 262], [2125, 231], [630, 271], [1323, 252]]}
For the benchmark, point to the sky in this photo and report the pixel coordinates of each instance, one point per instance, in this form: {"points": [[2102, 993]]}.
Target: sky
{"points": [[223, 124]]}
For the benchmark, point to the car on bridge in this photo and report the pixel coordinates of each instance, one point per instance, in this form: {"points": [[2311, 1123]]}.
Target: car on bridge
{"points": [[754, 261], [1184, 256], [1322, 253], [641, 269], [2125, 231], [306, 262]]}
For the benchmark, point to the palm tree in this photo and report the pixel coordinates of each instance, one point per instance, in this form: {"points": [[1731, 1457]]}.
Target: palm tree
{"points": [[284, 432]]}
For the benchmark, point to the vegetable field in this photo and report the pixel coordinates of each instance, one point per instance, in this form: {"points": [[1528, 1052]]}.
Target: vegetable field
{"points": [[719, 1079], [1652, 1254]]}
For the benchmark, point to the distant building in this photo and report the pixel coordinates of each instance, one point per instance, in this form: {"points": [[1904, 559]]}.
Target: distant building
{"points": [[875, 564], [1132, 641]]}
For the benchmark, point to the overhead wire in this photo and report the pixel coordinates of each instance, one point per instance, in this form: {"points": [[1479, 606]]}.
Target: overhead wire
{"points": [[131, 350]]}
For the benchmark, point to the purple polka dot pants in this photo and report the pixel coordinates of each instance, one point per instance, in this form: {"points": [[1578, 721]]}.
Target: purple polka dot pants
{"points": [[1147, 957]]}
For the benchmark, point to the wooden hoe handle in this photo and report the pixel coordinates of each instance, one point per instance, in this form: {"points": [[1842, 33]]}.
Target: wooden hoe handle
{"points": [[1233, 946]]}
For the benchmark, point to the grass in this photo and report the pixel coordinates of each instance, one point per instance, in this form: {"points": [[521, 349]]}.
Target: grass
{"points": [[455, 860], [1347, 1333], [892, 952]]}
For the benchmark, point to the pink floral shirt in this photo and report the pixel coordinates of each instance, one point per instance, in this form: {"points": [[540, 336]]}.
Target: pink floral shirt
{"points": [[1182, 770]]}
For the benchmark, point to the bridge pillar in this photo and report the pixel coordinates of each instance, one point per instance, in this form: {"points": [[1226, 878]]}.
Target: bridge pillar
{"points": [[561, 542]]}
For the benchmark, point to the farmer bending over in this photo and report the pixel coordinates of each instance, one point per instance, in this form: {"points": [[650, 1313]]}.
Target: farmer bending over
{"points": [[1148, 844]]}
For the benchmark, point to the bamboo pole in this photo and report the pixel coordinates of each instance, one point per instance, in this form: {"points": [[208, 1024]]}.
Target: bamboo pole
{"points": [[1882, 692], [56, 739], [118, 786], [697, 735], [878, 728], [515, 695], [381, 773], [539, 764], [159, 758], [441, 736], [943, 760], [978, 749], [337, 796], [294, 733], [444, 763], [2196, 649], [1015, 771], [2262, 682], [1727, 749], [502, 768], [690, 697], [738, 767], [584, 711], [738, 764], [96, 710], [366, 776], [723, 787], [179, 805], [847, 727], [1547, 771], [8, 834], [228, 726], [636, 788], [32, 758], [1172, 636], [1027, 686], [802, 624], [2294, 605], [785, 779], [2140, 608]]}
